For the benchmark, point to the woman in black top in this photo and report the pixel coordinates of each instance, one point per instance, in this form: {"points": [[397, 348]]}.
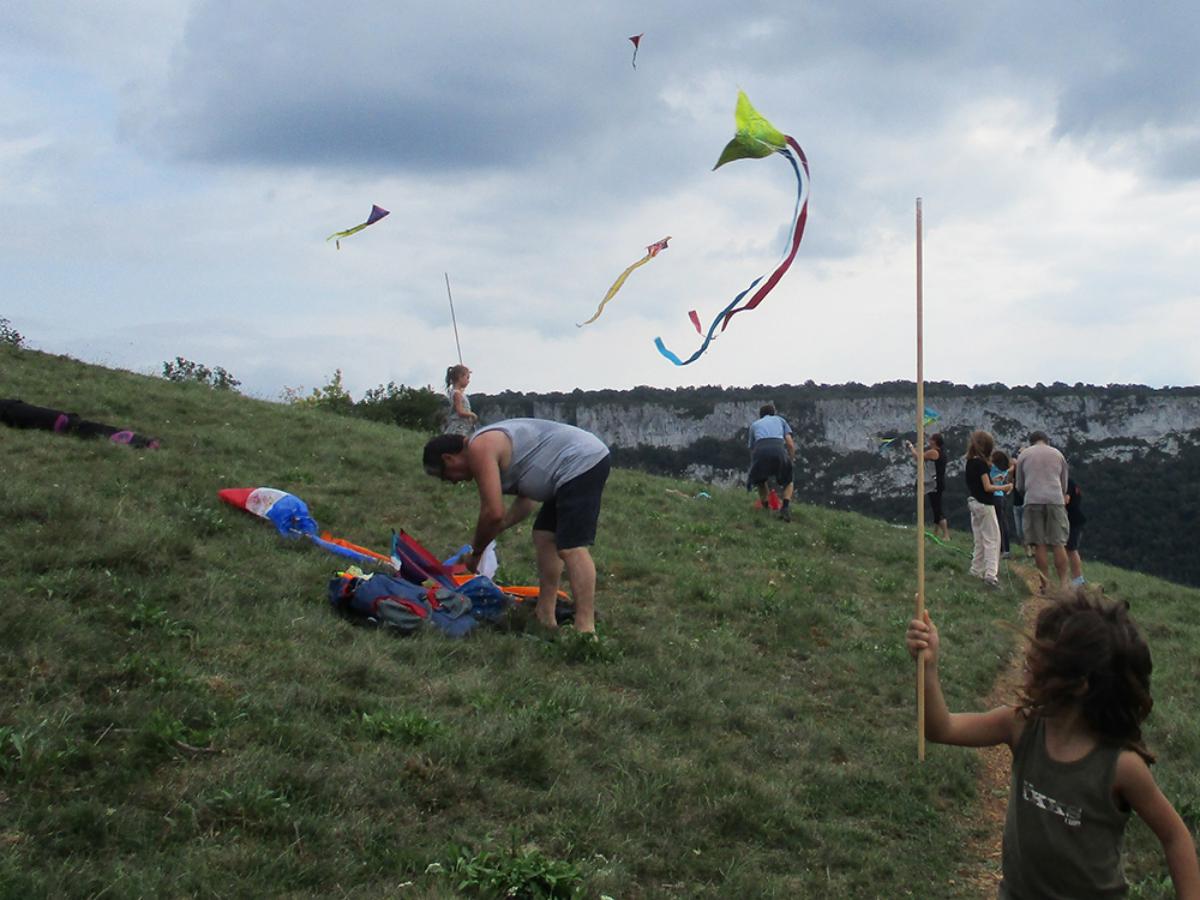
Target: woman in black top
{"points": [[935, 480], [985, 528]]}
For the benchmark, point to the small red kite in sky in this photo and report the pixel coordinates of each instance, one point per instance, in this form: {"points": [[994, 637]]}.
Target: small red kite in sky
{"points": [[637, 39]]}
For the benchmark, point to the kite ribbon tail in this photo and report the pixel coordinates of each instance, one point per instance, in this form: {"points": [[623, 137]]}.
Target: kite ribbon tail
{"points": [[708, 338], [338, 235], [616, 286], [798, 223], [341, 550], [662, 348]]}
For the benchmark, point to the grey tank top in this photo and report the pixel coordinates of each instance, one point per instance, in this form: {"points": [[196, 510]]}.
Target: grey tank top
{"points": [[1064, 829], [545, 456]]}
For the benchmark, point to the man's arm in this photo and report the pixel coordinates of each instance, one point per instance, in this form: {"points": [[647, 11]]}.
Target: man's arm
{"points": [[483, 455], [791, 446], [517, 512]]}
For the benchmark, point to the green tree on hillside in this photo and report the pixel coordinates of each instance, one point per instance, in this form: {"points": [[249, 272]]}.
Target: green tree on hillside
{"points": [[10, 335], [421, 409], [183, 370]]}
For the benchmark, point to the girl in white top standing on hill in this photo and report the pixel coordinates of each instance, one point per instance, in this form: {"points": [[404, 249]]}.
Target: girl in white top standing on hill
{"points": [[460, 419], [985, 527]]}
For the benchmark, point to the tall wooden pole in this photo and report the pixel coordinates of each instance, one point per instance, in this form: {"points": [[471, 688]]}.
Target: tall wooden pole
{"points": [[920, 493], [452, 319]]}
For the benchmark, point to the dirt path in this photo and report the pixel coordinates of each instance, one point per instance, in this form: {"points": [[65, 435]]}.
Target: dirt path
{"points": [[980, 870]]}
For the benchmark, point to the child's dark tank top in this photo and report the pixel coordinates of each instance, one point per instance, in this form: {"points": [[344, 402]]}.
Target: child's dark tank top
{"points": [[1064, 830]]}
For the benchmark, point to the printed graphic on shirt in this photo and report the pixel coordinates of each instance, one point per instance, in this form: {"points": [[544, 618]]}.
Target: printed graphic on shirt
{"points": [[1073, 815]]}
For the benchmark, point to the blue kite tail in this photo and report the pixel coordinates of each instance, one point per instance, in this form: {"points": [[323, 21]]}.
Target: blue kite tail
{"points": [[341, 551], [712, 329]]}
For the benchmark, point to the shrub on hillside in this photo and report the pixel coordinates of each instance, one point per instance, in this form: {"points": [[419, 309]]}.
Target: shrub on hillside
{"points": [[182, 370], [332, 396], [10, 335], [422, 409]]}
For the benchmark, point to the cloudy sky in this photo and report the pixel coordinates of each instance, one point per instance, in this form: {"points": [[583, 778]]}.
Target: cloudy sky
{"points": [[169, 172]]}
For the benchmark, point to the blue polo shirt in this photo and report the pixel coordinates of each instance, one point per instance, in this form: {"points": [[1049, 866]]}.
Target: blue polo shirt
{"points": [[769, 427]]}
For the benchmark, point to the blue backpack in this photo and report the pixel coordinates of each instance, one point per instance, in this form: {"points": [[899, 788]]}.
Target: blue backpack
{"points": [[399, 605]]}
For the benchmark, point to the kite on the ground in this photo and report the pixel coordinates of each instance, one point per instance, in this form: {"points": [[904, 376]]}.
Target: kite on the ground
{"points": [[377, 213], [652, 251], [291, 518], [636, 39], [19, 414], [755, 138]]}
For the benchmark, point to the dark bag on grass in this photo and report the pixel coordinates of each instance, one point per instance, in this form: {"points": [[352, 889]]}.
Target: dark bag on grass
{"points": [[400, 606]]}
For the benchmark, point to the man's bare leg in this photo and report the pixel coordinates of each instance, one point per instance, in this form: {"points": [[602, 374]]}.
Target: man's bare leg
{"points": [[1076, 564], [581, 571], [1061, 566], [1039, 559], [549, 575]]}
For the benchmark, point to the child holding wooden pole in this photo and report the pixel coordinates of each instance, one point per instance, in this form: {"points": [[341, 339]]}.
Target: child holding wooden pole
{"points": [[1079, 763]]}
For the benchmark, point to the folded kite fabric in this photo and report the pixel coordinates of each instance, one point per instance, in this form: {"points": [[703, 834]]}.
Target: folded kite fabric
{"points": [[19, 414]]}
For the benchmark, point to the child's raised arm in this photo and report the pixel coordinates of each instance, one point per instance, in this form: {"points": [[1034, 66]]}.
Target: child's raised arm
{"points": [[1136, 786], [999, 726]]}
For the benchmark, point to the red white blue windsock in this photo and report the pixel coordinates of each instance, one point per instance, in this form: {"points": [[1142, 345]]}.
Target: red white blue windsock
{"points": [[285, 511]]}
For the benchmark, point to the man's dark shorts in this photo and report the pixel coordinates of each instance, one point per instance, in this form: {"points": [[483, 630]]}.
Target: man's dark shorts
{"points": [[768, 460], [572, 513]]}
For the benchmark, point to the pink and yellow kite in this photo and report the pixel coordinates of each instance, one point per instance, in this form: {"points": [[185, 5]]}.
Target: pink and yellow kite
{"points": [[652, 251]]}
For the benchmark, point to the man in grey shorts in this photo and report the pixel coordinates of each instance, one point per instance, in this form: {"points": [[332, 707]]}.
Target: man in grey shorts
{"points": [[560, 466], [1042, 478]]}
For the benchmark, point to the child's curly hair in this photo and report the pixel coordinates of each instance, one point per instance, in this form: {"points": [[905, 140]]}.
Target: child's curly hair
{"points": [[1086, 651]]}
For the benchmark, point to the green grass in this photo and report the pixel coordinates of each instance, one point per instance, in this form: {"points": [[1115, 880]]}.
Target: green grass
{"points": [[181, 715]]}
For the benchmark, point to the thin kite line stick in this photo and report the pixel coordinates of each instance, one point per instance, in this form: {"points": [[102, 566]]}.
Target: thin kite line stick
{"points": [[452, 319], [920, 495]]}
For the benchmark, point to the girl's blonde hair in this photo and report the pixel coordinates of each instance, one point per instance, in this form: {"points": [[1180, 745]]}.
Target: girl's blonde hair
{"points": [[454, 373], [980, 446]]}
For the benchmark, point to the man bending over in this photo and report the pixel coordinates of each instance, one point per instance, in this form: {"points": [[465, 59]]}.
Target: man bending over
{"points": [[560, 466]]}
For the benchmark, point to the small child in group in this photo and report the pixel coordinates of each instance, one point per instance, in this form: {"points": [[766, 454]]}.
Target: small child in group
{"points": [[999, 475], [1075, 521], [460, 419], [1079, 764]]}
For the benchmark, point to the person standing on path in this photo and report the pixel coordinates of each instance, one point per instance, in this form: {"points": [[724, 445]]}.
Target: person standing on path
{"points": [[985, 528], [1042, 478], [772, 454], [1075, 520], [934, 458]]}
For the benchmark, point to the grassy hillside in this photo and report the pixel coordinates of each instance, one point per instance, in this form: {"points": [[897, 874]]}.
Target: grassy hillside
{"points": [[181, 715]]}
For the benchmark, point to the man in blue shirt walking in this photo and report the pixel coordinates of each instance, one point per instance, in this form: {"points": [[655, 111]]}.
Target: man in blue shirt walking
{"points": [[772, 452]]}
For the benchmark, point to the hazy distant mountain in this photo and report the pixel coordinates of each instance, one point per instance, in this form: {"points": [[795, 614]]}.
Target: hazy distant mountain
{"points": [[1134, 450]]}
